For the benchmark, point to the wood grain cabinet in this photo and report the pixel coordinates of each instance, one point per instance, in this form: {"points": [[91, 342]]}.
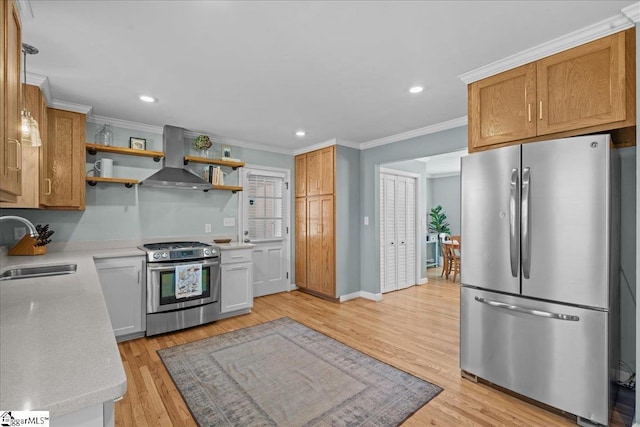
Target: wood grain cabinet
{"points": [[315, 222], [62, 171], [587, 89], [320, 171], [10, 135], [30, 188]]}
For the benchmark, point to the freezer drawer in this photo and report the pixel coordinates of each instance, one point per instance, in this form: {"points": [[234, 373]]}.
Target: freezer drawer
{"points": [[558, 360]]}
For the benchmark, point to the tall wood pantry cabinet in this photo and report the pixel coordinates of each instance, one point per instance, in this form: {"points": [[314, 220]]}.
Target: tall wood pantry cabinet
{"points": [[10, 149], [590, 88], [315, 222]]}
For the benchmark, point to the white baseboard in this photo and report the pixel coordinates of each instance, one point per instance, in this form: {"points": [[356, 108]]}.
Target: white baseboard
{"points": [[361, 294], [422, 281]]}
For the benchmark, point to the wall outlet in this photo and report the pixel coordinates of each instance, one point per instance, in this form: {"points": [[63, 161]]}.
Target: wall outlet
{"points": [[207, 228], [229, 222], [366, 220], [19, 232]]}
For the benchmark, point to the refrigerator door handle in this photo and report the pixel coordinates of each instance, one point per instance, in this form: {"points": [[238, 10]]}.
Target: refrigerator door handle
{"points": [[539, 313], [514, 243], [526, 209]]}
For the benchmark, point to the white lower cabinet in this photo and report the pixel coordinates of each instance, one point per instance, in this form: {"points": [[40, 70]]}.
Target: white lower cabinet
{"points": [[236, 271], [123, 285]]}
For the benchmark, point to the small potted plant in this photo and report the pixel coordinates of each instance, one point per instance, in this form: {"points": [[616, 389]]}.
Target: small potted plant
{"points": [[202, 143], [439, 224]]}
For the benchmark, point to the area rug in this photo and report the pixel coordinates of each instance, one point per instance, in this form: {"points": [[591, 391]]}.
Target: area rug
{"points": [[282, 373]]}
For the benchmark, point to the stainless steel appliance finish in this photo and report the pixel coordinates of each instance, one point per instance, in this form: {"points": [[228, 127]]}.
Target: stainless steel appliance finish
{"points": [[540, 262], [166, 312], [173, 174]]}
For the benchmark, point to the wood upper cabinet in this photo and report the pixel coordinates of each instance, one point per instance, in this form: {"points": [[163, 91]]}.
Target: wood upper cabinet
{"points": [[587, 89], [500, 107], [10, 149], [62, 173], [320, 171], [30, 192], [582, 87], [301, 175]]}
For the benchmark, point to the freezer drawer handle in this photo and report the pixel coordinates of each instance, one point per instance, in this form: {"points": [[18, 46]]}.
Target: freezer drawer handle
{"points": [[531, 311]]}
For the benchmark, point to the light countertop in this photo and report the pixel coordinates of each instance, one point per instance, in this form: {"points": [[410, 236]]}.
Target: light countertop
{"points": [[234, 245], [57, 347]]}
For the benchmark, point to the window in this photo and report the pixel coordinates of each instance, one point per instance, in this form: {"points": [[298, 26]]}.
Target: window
{"points": [[266, 210]]}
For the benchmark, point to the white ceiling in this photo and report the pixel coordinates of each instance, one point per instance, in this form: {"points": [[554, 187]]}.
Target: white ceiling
{"points": [[442, 165], [258, 70]]}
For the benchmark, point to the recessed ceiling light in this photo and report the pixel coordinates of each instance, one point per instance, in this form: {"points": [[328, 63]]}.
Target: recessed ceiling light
{"points": [[147, 98], [300, 133], [416, 89]]}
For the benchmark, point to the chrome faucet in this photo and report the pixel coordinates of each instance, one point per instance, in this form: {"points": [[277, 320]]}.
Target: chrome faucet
{"points": [[32, 229]]}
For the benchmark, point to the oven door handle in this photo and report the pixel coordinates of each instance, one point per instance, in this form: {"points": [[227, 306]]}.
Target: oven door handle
{"points": [[173, 266]]}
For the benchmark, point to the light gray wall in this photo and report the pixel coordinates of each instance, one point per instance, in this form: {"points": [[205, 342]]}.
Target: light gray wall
{"points": [[445, 192], [420, 168], [114, 212], [347, 220], [370, 161], [628, 256]]}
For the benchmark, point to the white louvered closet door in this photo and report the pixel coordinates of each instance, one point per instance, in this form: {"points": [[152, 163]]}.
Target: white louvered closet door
{"points": [[397, 232], [388, 253]]}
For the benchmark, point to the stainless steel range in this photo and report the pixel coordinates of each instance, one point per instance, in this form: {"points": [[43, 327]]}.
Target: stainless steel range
{"points": [[183, 285]]}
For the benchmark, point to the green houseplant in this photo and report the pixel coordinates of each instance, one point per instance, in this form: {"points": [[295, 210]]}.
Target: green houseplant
{"points": [[438, 223]]}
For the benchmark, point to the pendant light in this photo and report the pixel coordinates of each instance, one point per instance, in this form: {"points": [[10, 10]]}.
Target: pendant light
{"points": [[30, 129]]}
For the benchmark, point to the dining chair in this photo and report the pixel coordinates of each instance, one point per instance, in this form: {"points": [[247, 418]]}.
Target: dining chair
{"points": [[454, 255], [446, 259]]}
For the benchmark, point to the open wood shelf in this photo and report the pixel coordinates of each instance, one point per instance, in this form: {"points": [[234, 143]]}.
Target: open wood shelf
{"points": [[94, 148], [219, 162], [93, 180], [232, 188]]}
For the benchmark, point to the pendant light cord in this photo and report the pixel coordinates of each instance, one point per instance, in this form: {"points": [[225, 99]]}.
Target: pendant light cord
{"points": [[27, 49]]}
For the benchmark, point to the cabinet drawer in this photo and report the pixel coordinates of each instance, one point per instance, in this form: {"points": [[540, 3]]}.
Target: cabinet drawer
{"points": [[238, 255]]}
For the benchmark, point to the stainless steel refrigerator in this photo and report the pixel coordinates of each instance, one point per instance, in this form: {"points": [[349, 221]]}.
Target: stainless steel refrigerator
{"points": [[539, 302]]}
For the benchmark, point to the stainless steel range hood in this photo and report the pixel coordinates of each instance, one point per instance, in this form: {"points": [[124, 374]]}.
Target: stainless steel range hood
{"points": [[173, 174]]}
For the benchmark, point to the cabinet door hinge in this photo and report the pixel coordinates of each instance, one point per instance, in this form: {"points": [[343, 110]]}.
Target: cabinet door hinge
{"points": [[287, 274]]}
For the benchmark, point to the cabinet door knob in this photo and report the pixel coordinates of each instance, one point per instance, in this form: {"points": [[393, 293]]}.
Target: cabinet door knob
{"points": [[48, 187]]}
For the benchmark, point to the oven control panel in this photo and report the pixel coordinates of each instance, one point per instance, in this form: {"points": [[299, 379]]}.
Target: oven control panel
{"points": [[165, 252]]}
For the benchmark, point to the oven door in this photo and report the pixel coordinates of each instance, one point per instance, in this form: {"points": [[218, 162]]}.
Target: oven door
{"points": [[161, 286]]}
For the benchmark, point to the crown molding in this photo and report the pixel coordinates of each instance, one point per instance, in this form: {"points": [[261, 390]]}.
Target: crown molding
{"points": [[632, 12], [43, 83], [442, 175], [239, 142], [438, 127], [319, 145], [71, 106], [345, 143], [141, 127], [598, 30], [25, 10]]}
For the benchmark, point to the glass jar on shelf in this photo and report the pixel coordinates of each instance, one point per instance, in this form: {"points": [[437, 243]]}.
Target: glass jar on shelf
{"points": [[104, 136]]}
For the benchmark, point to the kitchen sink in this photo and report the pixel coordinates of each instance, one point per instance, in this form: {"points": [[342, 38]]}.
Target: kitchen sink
{"points": [[38, 271]]}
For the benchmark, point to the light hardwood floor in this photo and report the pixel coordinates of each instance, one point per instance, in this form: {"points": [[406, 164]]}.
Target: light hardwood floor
{"points": [[415, 330]]}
